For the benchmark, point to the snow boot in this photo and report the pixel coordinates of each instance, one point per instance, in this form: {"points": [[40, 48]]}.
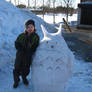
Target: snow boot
{"points": [[16, 79], [15, 85], [25, 81]]}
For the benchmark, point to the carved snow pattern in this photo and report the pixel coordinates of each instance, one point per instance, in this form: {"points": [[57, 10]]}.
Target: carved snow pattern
{"points": [[52, 64]]}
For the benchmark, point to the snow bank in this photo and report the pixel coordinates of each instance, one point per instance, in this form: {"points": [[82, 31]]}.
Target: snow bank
{"points": [[11, 25]]}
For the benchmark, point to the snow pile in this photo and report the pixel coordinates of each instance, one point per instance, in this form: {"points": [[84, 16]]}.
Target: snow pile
{"points": [[11, 25], [52, 64], [52, 58]]}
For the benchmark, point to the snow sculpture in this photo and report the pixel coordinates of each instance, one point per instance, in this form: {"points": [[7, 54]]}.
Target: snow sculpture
{"points": [[52, 64]]}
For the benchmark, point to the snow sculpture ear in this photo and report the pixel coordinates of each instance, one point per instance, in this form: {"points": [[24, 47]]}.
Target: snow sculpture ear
{"points": [[45, 32]]}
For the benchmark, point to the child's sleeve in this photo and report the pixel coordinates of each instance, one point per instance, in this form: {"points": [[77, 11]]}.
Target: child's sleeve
{"points": [[20, 43], [37, 40], [35, 43]]}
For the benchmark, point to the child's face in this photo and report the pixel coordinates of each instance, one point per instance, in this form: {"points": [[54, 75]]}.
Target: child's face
{"points": [[30, 28]]}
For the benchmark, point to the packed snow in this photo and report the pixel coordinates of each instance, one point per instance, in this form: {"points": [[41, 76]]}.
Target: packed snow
{"points": [[52, 64], [11, 25]]}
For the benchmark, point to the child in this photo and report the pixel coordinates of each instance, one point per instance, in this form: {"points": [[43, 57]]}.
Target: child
{"points": [[26, 45]]}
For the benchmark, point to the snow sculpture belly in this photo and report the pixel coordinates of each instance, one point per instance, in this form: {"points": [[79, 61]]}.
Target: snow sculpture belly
{"points": [[52, 64]]}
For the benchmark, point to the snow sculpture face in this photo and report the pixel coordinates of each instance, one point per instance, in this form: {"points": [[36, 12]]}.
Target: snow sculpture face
{"points": [[52, 64]]}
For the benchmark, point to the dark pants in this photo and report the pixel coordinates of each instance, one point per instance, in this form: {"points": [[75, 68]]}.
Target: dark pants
{"points": [[22, 65], [17, 73]]}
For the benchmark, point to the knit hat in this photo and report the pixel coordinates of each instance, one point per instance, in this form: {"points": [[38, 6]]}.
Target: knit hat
{"points": [[28, 22]]}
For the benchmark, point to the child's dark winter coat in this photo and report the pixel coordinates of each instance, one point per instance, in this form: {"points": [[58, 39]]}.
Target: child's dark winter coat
{"points": [[26, 46]]}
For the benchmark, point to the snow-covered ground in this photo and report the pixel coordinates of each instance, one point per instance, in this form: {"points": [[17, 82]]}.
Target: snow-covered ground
{"points": [[82, 77], [11, 25], [80, 82], [58, 18]]}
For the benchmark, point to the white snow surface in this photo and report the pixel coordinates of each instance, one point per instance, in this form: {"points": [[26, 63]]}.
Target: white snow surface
{"points": [[58, 18]]}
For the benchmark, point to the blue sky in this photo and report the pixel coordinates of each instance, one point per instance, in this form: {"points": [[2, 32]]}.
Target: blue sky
{"points": [[39, 2]]}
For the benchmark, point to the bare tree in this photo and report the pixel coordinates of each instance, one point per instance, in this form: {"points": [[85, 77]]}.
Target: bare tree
{"points": [[54, 11], [43, 10], [18, 2], [35, 4], [10, 1], [15, 2], [28, 3], [68, 4], [48, 3]]}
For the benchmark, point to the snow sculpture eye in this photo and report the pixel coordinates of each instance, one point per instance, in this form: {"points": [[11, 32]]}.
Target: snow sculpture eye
{"points": [[52, 46], [47, 42]]}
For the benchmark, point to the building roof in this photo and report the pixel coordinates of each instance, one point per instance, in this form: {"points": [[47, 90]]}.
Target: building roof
{"points": [[87, 4]]}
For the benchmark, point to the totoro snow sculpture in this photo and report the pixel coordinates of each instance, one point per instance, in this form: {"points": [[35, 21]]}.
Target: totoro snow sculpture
{"points": [[52, 64]]}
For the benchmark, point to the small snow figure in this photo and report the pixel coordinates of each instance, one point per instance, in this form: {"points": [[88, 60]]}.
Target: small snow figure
{"points": [[52, 65], [26, 44]]}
